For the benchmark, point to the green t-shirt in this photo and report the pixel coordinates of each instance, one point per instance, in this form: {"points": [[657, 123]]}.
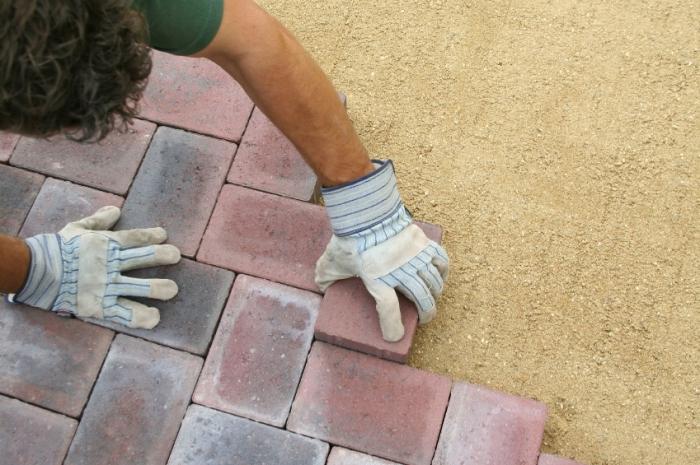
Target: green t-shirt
{"points": [[182, 27]]}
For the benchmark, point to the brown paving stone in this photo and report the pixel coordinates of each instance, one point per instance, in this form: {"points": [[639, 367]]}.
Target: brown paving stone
{"points": [[546, 459], [267, 161], [18, 189], [32, 436], [348, 317], [188, 320], [49, 360], [197, 95], [60, 202], [177, 186], [211, 437], [267, 236], [259, 352], [370, 405], [7, 145], [108, 165], [340, 456], [136, 406], [485, 427]]}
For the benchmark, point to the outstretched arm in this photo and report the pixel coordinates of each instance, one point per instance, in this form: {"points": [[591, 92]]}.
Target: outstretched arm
{"points": [[14, 263]]}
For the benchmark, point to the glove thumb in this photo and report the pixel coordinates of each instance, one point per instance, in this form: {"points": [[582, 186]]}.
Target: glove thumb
{"points": [[338, 261], [387, 309]]}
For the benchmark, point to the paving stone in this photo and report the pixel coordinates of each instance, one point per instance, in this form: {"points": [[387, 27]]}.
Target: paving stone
{"points": [[137, 405], [49, 360], [546, 459], [267, 161], [18, 189], [177, 186], [32, 436], [340, 456], [370, 405], [108, 165], [259, 352], [60, 202], [211, 437], [7, 145], [197, 95], [265, 235], [187, 321], [348, 317], [485, 427]]}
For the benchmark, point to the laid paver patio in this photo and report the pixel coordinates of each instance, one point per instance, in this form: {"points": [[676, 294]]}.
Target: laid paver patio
{"points": [[271, 391]]}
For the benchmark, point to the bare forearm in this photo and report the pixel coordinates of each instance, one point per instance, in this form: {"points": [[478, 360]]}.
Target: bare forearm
{"points": [[14, 263], [291, 89]]}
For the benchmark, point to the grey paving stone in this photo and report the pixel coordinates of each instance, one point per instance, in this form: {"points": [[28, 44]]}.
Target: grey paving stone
{"points": [[18, 189], [7, 145], [208, 437]]}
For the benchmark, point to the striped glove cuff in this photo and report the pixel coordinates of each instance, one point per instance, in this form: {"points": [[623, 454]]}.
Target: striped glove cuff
{"points": [[370, 202]]}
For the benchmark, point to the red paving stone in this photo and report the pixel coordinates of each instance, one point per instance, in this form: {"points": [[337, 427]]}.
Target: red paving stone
{"points": [[370, 405], [267, 236], [188, 320], [177, 186], [259, 352], [7, 145], [340, 456], [546, 459], [18, 189], [267, 161], [108, 165], [197, 95], [49, 360], [485, 427], [136, 406], [348, 317], [33, 436], [60, 202], [211, 437]]}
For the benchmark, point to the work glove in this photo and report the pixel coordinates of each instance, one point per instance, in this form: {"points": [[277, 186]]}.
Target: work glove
{"points": [[375, 239], [79, 271]]}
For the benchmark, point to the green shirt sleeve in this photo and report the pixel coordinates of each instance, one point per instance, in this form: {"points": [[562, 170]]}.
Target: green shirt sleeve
{"points": [[181, 27]]}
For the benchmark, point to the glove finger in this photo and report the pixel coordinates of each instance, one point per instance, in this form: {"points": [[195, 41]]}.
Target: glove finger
{"points": [[387, 309], [161, 289], [139, 237], [102, 219], [432, 278], [413, 287], [132, 314], [143, 257], [327, 272], [440, 259]]}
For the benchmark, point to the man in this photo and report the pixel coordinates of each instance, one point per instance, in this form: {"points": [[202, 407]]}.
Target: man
{"points": [[79, 67]]}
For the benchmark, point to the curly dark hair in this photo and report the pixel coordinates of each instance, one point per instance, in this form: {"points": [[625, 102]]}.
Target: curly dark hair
{"points": [[73, 66]]}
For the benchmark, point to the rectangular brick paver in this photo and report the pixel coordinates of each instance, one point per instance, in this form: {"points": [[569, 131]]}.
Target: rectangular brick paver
{"points": [[187, 321], [348, 317], [108, 165], [32, 436], [177, 186], [267, 161], [197, 95], [49, 360], [211, 437], [136, 406], [340, 456], [259, 352], [485, 427], [267, 236], [370, 405], [18, 189], [546, 459], [60, 202], [7, 145]]}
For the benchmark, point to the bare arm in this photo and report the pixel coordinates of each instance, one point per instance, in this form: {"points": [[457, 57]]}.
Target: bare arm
{"points": [[290, 88], [14, 263]]}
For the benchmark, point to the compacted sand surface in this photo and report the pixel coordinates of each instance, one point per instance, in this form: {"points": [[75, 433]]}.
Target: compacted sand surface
{"points": [[557, 142]]}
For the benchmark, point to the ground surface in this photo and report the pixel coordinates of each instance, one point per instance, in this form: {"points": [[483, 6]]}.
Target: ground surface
{"points": [[557, 143]]}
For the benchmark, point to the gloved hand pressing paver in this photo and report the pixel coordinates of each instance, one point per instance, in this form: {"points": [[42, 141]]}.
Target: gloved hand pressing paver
{"points": [[79, 271], [375, 239]]}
